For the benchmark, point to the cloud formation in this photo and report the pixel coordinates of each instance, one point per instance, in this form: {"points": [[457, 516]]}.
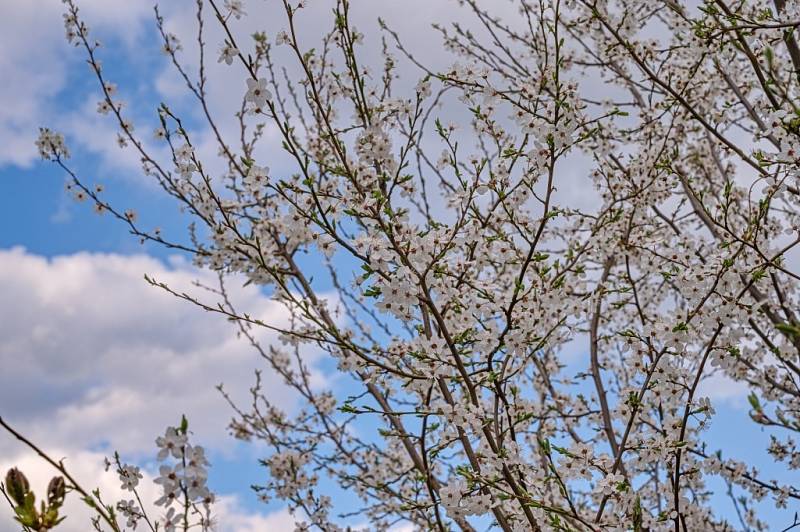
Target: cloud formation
{"points": [[36, 62], [97, 357]]}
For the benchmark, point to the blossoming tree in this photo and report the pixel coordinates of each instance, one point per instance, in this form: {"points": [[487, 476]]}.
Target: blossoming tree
{"points": [[458, 268]]}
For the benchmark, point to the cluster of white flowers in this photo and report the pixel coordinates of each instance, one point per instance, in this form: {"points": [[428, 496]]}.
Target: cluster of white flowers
{"points": [[256, 179], [73, 27], [187, 476], [51, 145], [183, 481], [130, 476]]}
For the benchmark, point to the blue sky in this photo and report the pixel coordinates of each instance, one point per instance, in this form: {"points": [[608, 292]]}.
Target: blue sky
{"points": [[81, 310]]}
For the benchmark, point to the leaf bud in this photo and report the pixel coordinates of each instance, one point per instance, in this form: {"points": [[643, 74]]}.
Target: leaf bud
{"points": [[17, 485]]}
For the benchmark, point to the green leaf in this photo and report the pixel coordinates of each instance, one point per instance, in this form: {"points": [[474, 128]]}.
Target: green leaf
{"points": [[754, 402], [789, 329]]}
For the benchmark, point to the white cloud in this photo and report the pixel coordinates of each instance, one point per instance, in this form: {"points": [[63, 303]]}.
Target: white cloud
{"points": [[98, 358], [722, 388], [36, 60], [233, 518]]}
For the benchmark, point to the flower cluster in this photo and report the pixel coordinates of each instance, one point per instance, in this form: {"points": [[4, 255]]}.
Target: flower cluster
{"points": [[187, 476], [51, 145], [182, 478]]}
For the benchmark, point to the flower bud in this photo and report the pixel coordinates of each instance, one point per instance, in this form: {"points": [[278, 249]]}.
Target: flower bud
{"points": [[17, 485], [56, 491]]}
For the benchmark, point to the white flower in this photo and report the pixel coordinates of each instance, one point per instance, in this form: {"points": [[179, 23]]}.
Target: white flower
{"points": [[167, 477], [608, 484], [196, 461], [170, 495], [424, 88], [256, 177], [103, 107], [451, 494], [184, 153], [131, 511], [171, 443], [227, 53], [171, 44], [171, 520], [129, 475], [257, 92], [235, 8]]}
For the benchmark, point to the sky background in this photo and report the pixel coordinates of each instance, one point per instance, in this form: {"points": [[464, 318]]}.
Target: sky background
{"points": [[93, 358]]}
